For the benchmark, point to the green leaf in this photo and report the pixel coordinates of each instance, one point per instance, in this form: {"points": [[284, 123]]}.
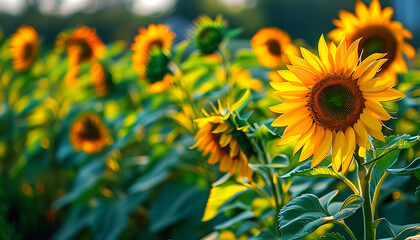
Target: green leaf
{"points": [[410, 169], [280, 161], [233, 33], [332, 236], [238, 218], [349, 207], [242, 102], [402, 232], [179, 51], [389, 150], [304, 214], [318, 172], [218, 196], [172, 207]]}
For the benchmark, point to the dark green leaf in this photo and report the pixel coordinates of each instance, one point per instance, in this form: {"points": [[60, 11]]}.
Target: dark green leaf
{"points": [[238, 218], [401, 232], [415, 165], [306, 213], [332, 236]]}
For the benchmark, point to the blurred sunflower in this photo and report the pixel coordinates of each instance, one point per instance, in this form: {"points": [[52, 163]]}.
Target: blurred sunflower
{"points": [[102, 79], [208, 34], [86, 42], [154, 37], [332, 101], [24, 48], [150, 58], [380, 35], [272, 46], [89, 134], [221, 135]]}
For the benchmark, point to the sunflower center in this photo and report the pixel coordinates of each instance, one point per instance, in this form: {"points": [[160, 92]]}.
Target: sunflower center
{"points": [[336, 102], [90, 130], [27, 51], [273, 47], [208, 39], [85, 50], [378, 39], [155, 44]]}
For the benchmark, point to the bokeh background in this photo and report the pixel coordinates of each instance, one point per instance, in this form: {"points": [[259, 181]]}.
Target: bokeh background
{"points": [[120, 19], [174, 201]]}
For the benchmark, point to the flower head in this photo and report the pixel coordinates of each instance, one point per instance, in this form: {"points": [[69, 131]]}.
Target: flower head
{"points": [[222, 136], [332, 101], [89, 134], [155, 37], [102, 79], [86, 43], [379, 35], [24, 48], [272, 46], [208, 34]]}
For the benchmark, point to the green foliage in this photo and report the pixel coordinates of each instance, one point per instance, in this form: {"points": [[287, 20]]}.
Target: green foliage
{"points": [[306, 213], [332, 236]]}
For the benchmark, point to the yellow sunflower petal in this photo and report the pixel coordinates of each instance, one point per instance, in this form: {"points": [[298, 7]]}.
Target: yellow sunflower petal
{"points": [[372, 125], [313, 61], [368, 61], [351, 144], [290, 118], [371, 71], [324, 149], [325, 55], [287, 106], [389, 94], [305, 137], [377, 110], [338, 149]]}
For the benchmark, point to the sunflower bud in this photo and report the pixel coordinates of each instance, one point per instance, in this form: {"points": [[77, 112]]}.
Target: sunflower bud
{"points": [[157, 66], [208, 34]]}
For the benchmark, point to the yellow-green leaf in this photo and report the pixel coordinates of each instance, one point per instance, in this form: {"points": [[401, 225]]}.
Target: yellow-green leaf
{"points": [[218, 196]]}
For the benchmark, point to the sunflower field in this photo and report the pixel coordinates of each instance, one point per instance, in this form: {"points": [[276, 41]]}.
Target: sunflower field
{"points": [[210, 136]]}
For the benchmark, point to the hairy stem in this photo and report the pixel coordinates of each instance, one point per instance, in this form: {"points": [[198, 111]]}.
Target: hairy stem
{"points": [[370, 231]]}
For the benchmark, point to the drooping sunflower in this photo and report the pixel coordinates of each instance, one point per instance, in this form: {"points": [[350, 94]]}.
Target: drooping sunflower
{"points": [[272, 46], [380, 35], [24, 48], [102, 79], [208, 34], [331, 101], [154, 37], [221, 135], [86, 42], [89, 133]]}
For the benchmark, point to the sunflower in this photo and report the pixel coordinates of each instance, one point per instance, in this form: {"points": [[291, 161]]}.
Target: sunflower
{"points": [[220, 135], [332, 101], [208, 34], [87, 43], [272, 46], [102, 79], [24, 48], [380, 35], [154, 37], [89, 134]]}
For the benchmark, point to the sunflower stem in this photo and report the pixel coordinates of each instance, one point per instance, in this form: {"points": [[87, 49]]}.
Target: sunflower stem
{"points": [[370, 231], [274, 192]]}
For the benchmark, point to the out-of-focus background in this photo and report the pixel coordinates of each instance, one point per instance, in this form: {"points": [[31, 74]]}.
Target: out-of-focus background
{"points": [[120, 19]]}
